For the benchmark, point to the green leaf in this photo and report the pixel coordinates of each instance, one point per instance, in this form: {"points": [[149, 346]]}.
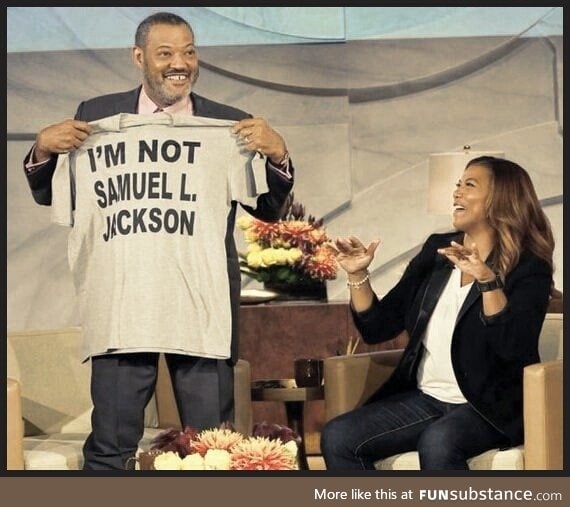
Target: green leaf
{"points": [[293, 277], [283, 273], [263, 276]]}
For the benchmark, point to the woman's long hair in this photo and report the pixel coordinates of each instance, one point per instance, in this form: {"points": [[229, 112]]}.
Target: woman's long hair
{"points": [[515, 213]]}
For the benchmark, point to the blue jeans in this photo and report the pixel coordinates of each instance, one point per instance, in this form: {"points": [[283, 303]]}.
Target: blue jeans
{"points": [[444, 434]]}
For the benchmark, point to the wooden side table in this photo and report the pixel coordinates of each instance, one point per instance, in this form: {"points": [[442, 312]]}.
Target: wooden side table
{"points": [[294, 399]]}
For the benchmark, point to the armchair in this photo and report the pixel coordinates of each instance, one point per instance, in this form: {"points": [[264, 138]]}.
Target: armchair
{"points": [[351, 379], [48, 404]]}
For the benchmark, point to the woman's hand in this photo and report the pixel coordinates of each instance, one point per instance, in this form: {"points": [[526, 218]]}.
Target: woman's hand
{"points": [[351, 254], [468, 261]]}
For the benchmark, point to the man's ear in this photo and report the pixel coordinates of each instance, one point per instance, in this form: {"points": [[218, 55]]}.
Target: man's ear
{"points": [[138, 57]]}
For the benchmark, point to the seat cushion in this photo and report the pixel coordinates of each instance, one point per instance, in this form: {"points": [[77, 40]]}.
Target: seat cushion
{"points": [[494, 459], [64, 451]]}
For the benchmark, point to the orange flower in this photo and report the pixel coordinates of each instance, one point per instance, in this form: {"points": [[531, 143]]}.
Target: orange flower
{"points": [[223, 448], [320, 265], [259, 453], [224, 439], [265, 231], [303, 237], [295, 231]]}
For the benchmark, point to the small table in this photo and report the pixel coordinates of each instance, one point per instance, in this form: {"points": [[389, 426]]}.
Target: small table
{"points": [[294, 399]]}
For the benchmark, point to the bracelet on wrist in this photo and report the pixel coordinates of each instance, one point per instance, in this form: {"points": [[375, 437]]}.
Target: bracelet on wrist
{"points": [[360, 283], [493, 284]]}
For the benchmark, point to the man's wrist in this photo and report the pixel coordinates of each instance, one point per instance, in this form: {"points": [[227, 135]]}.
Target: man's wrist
{"points": [[283, 167], [35, 162], [281, 162], [39, 156]]}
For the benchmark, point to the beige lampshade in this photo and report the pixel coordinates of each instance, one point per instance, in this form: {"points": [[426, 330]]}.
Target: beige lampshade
{"points": [[443, 172]]}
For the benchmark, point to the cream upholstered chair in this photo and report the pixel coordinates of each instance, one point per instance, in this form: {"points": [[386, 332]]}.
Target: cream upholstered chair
{"points": [[49, 406], [351, 379]]}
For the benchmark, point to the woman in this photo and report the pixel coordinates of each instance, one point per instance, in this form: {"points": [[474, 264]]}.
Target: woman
{"points": [[472, 302]]}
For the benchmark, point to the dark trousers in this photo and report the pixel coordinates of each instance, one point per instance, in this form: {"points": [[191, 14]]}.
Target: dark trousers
{"points": [[444, 434], [123, 384]]}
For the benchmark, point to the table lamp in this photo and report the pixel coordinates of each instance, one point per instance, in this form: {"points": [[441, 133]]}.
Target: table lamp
{"points": [[444, 171]]}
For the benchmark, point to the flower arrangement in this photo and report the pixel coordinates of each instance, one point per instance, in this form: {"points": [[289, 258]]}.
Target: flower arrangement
{"points": [[291, 251], [271, 447]]}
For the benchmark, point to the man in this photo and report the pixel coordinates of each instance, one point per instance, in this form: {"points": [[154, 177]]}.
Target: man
{"points": [[122, 381]]}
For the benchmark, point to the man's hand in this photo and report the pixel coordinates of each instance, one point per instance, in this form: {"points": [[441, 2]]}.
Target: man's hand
{"points": [[60, 138], [257, 135]]}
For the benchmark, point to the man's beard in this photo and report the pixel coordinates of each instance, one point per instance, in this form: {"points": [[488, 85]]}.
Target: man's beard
{"points": [[159, 90]]}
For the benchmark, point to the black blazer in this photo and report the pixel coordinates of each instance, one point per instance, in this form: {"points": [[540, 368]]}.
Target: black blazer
{"points": [[488, 353], [269, 205]]}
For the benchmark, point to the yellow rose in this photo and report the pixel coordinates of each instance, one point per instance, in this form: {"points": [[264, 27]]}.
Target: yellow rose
{"points": [[244, 222], [269, 257], [217, 459], [293, 255], [167, 461], [193, 462], [250, 236], [254, 260], [254, 247], [280, 256]]}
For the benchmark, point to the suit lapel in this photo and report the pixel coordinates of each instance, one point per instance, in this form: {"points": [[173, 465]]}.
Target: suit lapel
{"points": [[128, 104], [439, 278], [474, 293], [472, 296], [433, 291]]}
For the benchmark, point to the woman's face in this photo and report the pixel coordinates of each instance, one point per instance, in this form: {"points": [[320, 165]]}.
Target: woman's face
{"points": [[469, 198]]}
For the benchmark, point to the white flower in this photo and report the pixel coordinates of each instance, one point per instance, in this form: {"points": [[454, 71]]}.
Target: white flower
{"points": [[193, 462], [167, 461], [291, 446], [217, 459]]}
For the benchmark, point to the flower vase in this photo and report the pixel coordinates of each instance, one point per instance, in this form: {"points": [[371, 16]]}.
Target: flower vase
{"points": [[313, 291]]}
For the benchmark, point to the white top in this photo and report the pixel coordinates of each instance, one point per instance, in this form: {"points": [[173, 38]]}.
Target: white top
{"points": [[148, 197], [435, 372]]}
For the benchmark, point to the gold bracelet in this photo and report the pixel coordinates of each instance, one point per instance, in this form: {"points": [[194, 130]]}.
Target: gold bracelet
{"points": [[357, 285]]}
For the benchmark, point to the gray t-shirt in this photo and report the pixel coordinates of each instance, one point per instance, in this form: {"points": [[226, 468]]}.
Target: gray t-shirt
{"points": [[147, 197]]}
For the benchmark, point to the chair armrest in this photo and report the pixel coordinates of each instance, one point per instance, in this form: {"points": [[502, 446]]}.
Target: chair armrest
{"points": [[351, 379], [543, 402], [168, 416], [14, 426], [243, 420]]}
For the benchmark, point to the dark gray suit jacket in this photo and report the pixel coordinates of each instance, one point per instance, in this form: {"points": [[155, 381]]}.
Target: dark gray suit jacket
{"points": [[270, 205]]}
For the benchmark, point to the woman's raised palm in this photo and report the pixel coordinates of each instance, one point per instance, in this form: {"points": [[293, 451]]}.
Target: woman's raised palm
{"points": [[352, 255]]}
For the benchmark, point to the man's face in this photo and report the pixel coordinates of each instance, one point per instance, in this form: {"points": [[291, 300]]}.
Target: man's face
{"points": [[169, 63]]}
